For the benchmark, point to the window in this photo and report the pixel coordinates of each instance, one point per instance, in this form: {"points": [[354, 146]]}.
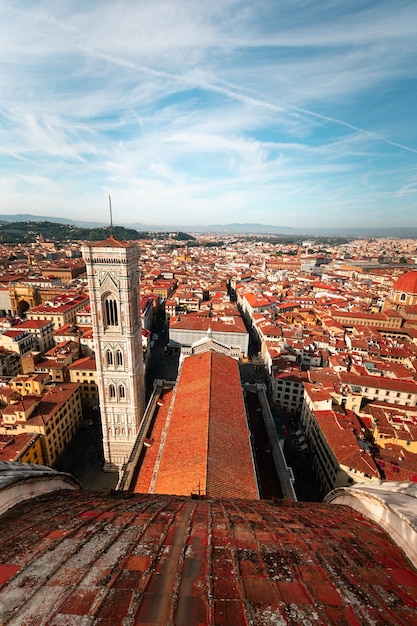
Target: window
{"points": [[111, 314], [112, 391], [121, 391], [109, 357], [119, 358]]}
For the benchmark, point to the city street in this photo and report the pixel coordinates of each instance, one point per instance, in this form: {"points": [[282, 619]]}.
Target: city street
{"points": [[299, 460], [160, 364], [83, 457]]}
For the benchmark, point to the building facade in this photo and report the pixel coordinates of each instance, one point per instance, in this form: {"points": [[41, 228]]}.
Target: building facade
{"points": [[84, 371], [54, 412], [113, 282]]}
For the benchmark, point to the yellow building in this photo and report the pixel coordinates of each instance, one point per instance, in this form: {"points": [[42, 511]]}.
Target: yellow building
{"points": [[25, 447], [84, 372], [389, 319], [60, 311], [30, 384], [394, 425], [65, 270], [56, 416], [400, 436]]}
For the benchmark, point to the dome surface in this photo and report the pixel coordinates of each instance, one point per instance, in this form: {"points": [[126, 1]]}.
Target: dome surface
{"points": [[407, 283], [84, 558]]}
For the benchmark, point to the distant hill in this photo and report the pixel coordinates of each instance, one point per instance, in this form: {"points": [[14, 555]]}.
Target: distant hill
{"points": [[27, 217], [234, 228], [26, 231]]}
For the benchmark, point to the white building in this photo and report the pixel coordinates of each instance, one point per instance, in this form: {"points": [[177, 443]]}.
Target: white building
{"points": [[113, 282], [227, 330]]}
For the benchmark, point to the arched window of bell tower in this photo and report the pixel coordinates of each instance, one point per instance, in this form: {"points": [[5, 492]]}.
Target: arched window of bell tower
{"points": [[110, 310]]}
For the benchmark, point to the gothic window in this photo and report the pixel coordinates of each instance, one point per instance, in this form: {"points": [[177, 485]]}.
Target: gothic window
{"points": [[112, 391], [119, 358], [122, 393], [109, 357], [111, 311]]}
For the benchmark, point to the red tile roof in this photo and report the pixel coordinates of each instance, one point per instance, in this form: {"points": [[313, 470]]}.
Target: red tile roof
{"points": [[204, 435], [339, 433], [407, 283], [86, 363], [111, 242], [379, 382], [83, 557], [233, 324], [11, 446], [34, 324]]}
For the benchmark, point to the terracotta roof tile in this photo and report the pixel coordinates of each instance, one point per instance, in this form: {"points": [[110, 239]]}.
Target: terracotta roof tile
{"points": [[201, 443], [82, 557], [111, 242]]}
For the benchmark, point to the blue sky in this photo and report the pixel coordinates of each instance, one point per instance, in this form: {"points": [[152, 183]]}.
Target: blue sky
{"points": [[284, 112]]}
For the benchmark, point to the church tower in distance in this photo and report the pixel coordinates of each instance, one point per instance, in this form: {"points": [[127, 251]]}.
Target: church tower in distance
{"points": [[113, 281]]}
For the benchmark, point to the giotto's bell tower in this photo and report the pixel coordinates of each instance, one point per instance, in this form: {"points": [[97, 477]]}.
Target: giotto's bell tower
{"points": [[113, 280]]}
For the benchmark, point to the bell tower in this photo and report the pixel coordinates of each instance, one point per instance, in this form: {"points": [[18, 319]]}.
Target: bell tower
{"points": [[113, 282]]}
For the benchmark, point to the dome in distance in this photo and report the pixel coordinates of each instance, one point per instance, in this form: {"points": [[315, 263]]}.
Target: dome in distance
{"points": [[407, 283]]}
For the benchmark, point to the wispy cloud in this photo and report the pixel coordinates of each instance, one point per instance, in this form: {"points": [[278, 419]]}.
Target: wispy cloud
{"points": [[228, 110]]}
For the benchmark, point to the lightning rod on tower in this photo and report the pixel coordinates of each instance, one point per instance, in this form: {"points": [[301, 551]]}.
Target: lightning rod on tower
{"points": [[111, 218]]}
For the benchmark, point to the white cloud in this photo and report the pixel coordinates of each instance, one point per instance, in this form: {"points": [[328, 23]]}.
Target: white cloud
{"points": [[201, 109]]}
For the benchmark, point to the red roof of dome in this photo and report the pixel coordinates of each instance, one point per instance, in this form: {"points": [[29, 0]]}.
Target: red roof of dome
{"points": [[83, 557], [407, 283]]}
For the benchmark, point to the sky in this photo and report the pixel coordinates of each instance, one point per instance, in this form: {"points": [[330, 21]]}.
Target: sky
{"points": [[189, 112]]}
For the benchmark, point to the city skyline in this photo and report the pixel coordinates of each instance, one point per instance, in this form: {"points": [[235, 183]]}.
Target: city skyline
{"points": [[190, 113]]}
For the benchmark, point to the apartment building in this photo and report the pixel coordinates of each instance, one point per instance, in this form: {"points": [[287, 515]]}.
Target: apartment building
{"points": [[288, 386], [10, 363], [55, 415], [42, 332], [25, 448], [62, 310], [84, 372], [376, 320], [17, 340], [341, 455], [391, 390]]}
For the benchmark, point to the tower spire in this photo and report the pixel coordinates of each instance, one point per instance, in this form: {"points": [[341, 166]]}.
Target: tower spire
{"points": [[111, 218]]}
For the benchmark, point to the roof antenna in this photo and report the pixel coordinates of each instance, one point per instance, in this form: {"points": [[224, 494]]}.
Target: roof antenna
{"points": [[111, 219]]}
